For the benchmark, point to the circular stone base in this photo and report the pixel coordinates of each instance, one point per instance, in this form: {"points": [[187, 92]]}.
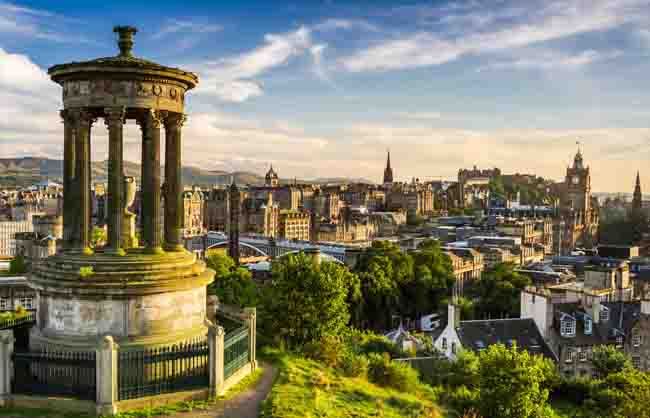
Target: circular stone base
{"points": [[139, 299]]}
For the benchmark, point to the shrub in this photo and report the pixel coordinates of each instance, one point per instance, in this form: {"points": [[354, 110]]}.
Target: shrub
{"points": [[385, 372], [329, 350], [354, 365], [378, 344], [461, 398], [576, 390]]}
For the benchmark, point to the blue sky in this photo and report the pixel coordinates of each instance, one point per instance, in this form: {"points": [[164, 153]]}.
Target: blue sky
{"points": [[323, 88]]}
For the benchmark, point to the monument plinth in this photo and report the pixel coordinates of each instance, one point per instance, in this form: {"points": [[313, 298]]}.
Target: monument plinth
{"points": [[149, 295]]}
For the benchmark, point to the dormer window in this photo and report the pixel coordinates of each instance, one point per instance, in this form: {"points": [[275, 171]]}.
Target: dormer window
{"points": [[588, 326], [568, 327]]}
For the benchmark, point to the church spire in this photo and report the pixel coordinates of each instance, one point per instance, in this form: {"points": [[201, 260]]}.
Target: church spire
{"points": [[637, 198], [388, 171]]}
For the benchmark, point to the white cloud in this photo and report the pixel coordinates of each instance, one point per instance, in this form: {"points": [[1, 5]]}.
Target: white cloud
{"points": [[35, 23], [173, 26], [553, 60], [17, 72], [345, 24], [545, 21], [232, 79]]}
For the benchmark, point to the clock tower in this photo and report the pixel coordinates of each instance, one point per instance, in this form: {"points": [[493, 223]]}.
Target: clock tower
{"points": [[578, 187], [577, 225]]}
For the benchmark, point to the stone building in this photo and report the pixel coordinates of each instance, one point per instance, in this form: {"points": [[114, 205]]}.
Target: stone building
{"points": [[294, 225], [415, 198], [44, 241], [474, 185], [388, 173], [467, 263], [260, 216], [193, 212], [8, 232]]}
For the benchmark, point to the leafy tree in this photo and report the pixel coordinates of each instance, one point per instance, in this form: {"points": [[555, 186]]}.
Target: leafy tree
{"points": [[625, 394], [382, 269], [607, 360], [233, 285], [513, 383], [433, 278], [17, 265], [305, 302], [220, 262], [497, 293]]}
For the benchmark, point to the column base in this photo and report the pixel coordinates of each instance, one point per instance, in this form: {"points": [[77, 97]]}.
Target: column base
{"points": [[173, 247], [154, 250], [82, 251], [115, 251], [106, 409]]}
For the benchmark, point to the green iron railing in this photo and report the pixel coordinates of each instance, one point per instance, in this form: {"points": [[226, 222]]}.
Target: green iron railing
{"points": [[236, 354], [163, 369]]}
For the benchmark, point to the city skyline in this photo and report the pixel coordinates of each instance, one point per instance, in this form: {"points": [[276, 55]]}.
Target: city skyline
{"points": [[322, 89]]}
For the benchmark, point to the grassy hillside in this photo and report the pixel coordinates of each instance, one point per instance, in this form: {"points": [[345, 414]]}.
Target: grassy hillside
{"points": [[305, 388]]}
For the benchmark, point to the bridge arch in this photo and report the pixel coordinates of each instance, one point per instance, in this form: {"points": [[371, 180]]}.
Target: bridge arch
{"points": [[241, 244]]}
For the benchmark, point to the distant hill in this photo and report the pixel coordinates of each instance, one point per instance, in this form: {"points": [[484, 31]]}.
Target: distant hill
{"points": [[22, 172]]}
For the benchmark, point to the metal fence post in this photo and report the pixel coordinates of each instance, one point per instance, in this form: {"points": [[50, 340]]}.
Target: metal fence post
{"points": [[6, 348], [251, 321], [106, 363], [216, 360]]}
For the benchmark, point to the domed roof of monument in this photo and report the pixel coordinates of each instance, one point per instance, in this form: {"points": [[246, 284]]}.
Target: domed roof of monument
{"points": [[123, 64]]}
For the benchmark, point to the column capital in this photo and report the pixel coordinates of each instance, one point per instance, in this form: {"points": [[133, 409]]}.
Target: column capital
{"points": [[175, 120], [150, 119], [114, 115], [81, 116]]}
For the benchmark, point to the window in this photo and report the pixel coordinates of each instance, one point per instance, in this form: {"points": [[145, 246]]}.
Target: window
{"points": [[570, 355], [619, 342], [588, 325], [582, 354], [636, 340], [4, 304], [604, 314], [636, 362], [568, 328], [453, 348], [444, 343], [25, 302]]}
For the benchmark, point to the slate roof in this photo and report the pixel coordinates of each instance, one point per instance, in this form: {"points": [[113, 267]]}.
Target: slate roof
{"points": [[478, 335]]}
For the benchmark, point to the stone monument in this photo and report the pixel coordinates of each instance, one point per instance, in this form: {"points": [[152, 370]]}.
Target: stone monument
{"points": [[154, 294]]}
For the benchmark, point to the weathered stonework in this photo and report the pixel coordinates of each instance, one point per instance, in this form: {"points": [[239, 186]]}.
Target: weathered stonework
{"points": [[138, 296]]}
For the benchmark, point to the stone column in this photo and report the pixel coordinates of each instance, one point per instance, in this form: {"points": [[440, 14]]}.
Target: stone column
{"points": [[216, 361], [173, 182], [114, 119], [69, 199], [251, 321], [84, 121], [151, 181], [106, 385], [6, 348]]}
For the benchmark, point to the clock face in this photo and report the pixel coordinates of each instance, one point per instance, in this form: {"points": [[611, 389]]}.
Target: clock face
{"points": [[575, 179]]}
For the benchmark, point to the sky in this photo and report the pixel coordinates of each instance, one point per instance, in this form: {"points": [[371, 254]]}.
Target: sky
{"points": [[325, 88]]}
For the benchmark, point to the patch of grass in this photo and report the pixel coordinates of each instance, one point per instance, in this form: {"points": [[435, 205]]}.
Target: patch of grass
{"points": [[306, 388], [246, 383]]}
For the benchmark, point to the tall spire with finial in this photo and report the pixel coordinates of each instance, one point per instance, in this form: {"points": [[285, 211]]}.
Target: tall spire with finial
{"points": [[388, 171], [637, 199]]}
